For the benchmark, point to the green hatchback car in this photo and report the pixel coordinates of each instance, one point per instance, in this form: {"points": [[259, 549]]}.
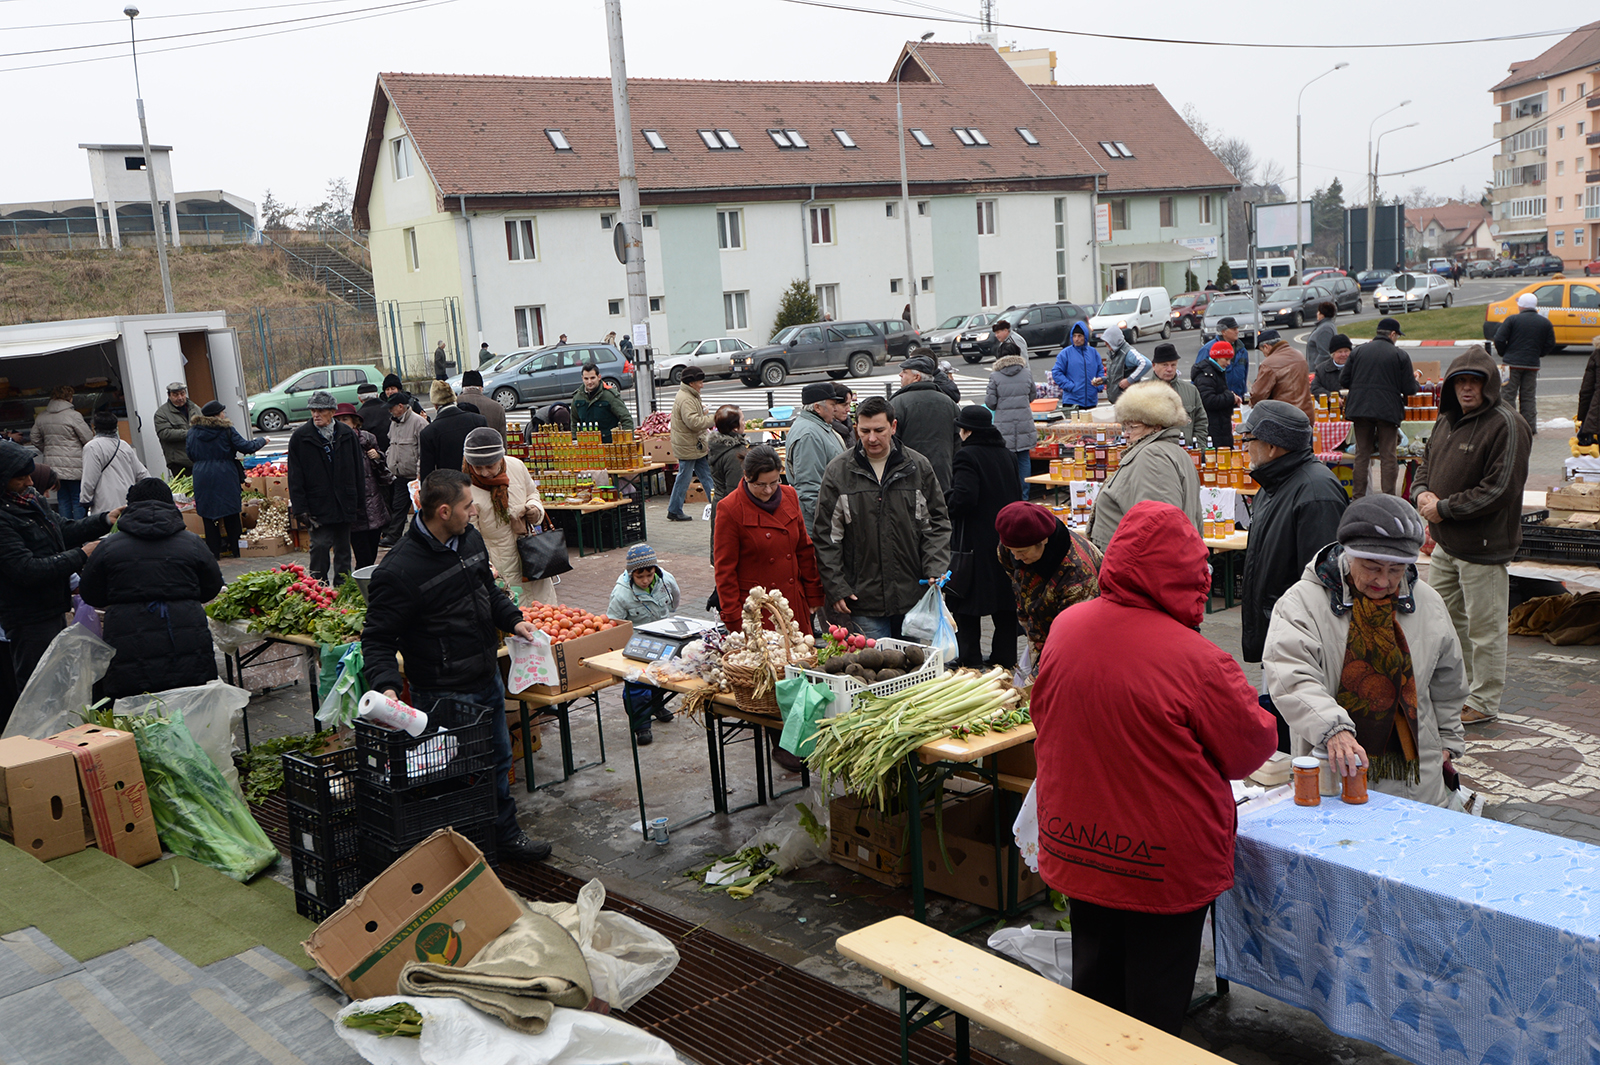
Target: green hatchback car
{"points": [[271, 411]]}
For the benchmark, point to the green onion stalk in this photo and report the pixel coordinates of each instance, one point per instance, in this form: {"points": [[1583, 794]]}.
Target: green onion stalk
{"points": [[401, 1019]]}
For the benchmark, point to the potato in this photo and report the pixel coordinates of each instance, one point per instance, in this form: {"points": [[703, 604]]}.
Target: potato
{"points": [[914, 657], [893, 659], [871, 658]]}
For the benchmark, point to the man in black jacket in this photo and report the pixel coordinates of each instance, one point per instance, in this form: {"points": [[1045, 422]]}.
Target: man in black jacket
{"points": [[153, 578], [1522, 340], [1296, 513], [1326, 371], [324, 484], [374, 411], [39, 553], [925, 417], [444, 439], [1378, 377], [433, 598], [392, 386]]}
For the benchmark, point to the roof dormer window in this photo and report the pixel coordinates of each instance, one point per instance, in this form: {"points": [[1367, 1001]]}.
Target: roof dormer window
{"points": [[1027, 135], [727, 139], [795, 138], [921, 138], [780, 138], [977, 136], [652, 138], [709, 137], [845, 139], [1116, 149], [962, 135], [558, 139]]}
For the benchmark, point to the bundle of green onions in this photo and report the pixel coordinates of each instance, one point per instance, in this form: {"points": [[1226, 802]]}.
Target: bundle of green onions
{"points": [[182, 484], [865, 748], [401, 1019]]}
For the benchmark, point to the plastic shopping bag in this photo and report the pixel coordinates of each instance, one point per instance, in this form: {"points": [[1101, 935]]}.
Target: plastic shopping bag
{"points": [[627, 959], [930, 621], [532, 662], [454, 1033], [1045, 951], [803, 703], [341, 702], [55, 696]]}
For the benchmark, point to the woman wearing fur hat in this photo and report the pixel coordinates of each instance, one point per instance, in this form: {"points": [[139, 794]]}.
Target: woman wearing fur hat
{"points": [[1154, 466], [508, 507], [213, 442]]}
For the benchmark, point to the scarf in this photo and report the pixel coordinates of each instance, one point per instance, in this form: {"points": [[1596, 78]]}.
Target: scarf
{"points": [[1379, 691], [771, 505], [495, 484]]}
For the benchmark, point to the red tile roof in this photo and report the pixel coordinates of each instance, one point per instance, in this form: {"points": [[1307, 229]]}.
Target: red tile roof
{"points": [[1166, 152], [1580, 48], [484, 135], [1453, 216]]}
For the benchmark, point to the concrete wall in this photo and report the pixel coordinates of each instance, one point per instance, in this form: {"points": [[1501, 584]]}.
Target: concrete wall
{"points": [[693, 280], [396, 206], [955, 256]]}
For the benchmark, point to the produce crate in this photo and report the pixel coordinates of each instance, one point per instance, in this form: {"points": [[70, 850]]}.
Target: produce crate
{"points": [[379, 851], [459, 742], [868, 841], [409, 817], [323, 785], [320, 886], [331, 839], [1546, 543], [847, 689]]}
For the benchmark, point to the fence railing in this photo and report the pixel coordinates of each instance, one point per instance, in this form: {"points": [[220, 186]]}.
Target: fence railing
{"points": [[275, 342], [81, 234], [410, 331]]}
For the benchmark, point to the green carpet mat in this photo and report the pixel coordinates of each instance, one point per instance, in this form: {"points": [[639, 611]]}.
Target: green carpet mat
{"points": [[266, 914], [77, 921]]}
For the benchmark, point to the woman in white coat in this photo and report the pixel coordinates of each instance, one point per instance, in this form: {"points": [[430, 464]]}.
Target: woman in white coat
{"points": [[508, 507], [110, 467]]}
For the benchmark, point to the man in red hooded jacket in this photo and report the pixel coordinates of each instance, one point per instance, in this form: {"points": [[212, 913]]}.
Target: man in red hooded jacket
{"points": [[1136, 816]]}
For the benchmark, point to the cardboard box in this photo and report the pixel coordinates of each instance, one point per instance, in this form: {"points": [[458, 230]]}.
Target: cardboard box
{"points": [[1019, 761], [266, 549], [440, 902], [250, 515], [969, 840], [40, 813], [193, 522], [657, 448], [868, 841], [570, 656], [271, 487], [116, 815]]}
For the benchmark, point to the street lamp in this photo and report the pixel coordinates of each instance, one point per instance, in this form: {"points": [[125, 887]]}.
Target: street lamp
{"points": [[1372, 185], [1299, 237], [1376, 151], [149, 165], [905, 190]]}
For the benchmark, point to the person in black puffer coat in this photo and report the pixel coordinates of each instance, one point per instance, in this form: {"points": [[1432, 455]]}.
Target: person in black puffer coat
{"points": [[39, 552], [325, 485], [153, 578], [443, 442], [983, 481], [1210, 378]]}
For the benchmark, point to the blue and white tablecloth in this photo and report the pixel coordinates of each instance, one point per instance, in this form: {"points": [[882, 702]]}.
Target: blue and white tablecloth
{"points": [[1438, 936]]}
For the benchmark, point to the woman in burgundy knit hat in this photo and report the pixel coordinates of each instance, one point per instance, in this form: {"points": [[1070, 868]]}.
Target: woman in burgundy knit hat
{"points": [[1051, 567]]}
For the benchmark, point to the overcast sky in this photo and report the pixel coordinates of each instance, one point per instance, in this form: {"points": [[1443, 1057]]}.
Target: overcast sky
{"points": [[288, 111]]}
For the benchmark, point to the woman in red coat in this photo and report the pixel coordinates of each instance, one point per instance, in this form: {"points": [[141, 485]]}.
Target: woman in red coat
{"points": [[761, 542], [1136, 816]]}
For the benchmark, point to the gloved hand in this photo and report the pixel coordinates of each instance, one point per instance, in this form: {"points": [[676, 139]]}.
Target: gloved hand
{"points": [[1586, 439]]}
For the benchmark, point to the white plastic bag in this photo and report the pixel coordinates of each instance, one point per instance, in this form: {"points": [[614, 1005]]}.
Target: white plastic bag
{"points": [[1045, 951], [627, 960], [799, 843], [55, 696], [211, 712], [453, 1033], [532, 662], [1026, 828], [930, 620]]}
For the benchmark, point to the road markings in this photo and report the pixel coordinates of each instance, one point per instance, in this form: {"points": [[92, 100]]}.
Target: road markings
{"points": [[1569, 659]]}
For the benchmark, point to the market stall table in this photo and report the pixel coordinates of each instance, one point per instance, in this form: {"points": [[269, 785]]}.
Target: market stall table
{"points": [[595, 510], [1437, 936], [236, 660], [1229, 551], [648, 472], [558, 706]]}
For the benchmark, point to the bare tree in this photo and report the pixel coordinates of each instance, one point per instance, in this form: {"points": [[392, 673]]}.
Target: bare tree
{"points": [[1419, 196], [1270, 178], [1237, 155], [334, 210], [273, 213], [1200, 126]]}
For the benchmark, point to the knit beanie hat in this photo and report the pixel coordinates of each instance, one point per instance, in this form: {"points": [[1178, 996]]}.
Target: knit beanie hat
{"points": [[1339, 342], [392, 381], [1272, 421], [319, 401], [1164, 353], [1382, 528], [1220, 350], [483, 447], [212, 409], [1024, 524], [640, 556], [150, 488]]}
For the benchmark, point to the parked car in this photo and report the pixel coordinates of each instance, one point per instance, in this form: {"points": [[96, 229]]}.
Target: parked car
{"points": [[1371, 279], [1591, 269], [1136, 311], [1189, 309], [1345, 292], [1241, 309], [495, 365], [1540, 265], [1425, 291], [942, 338], [838, 348], [1044, 326], [1321, 273], [1505, 268], [898, 336], [272, 410], [1292, 304], [715, 356], [555, 373], [1571, 303], [1482, 267], [1442, 267]]}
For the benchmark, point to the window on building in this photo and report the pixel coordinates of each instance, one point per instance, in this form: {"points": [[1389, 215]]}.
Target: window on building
{"points": [[1561, 96], [1169, 211], [401, 149], [614, 308], [828, 301], [608, 221], [1580, 88], [558, 139], [530, 327], [1561, 203], [727, 139], [921, 138], [419, 330], [922, 207], [1119, 215], [985, 217], [780, 138], [988, 290], [891, 209], [1561, 238], [413, 254], [1561, 167], [1561, 133], [648, 220], [1579, 130], [655, 304], [1027, 135], [729, 230], [520, 244], [1116, 149], [822, 225], [977, 136], [845, 140], [1577, 239], [734, 314], [1061, 246], [894, 285], [1127, 153], [962, 135], [653, 139], [795, 139], [709, 138], [1205, 210], [927, 284]]}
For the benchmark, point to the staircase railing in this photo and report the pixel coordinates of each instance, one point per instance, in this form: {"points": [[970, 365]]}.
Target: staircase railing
{"points": [[319, 268]]}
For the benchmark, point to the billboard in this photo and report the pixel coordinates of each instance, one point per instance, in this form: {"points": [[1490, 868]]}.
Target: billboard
{"points": [[1275, 224], [1388, 238]]}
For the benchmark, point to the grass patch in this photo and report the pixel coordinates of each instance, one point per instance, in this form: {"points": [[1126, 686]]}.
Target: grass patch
{"points": [[1446, 323]]}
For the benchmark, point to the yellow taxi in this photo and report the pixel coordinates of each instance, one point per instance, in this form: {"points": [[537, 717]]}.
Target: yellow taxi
{"points": [[1571, 303]]}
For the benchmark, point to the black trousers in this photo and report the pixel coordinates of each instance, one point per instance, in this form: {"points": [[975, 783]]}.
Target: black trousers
{"points": [[399, 511], [1141, 964], [335, 540], [1002, 648], [364, 545], [29, 641], [214, 539]]}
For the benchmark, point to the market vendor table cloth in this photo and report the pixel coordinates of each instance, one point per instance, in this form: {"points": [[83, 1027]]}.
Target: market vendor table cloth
{"points": [[1438, 936]]}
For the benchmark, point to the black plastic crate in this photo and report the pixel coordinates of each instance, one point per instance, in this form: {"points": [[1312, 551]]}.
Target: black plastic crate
{"points": [[1547, 543], [379, 851], [336, 839], [323, 785], [321, 887], [459, 742], [411, 816]]}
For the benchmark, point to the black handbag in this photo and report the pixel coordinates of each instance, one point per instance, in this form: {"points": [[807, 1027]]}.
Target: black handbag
{"points": [[544, 554], [963, 574]]}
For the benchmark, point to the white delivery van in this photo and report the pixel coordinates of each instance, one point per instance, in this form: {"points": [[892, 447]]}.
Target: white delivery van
{"points": [[1137, 312]]}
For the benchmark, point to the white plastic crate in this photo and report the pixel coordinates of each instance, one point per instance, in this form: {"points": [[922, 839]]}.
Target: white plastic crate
{"points": [[847, 689]]}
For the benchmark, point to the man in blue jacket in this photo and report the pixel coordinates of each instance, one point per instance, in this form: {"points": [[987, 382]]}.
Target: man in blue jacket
{"points": [[1078, 371], [1239, 368]]}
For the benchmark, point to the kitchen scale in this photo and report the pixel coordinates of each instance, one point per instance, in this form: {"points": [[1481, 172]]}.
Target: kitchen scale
{"points": [[658, 640]]}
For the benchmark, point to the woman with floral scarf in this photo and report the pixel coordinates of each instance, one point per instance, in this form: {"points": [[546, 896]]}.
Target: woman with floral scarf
{"points": [[508, 507]]}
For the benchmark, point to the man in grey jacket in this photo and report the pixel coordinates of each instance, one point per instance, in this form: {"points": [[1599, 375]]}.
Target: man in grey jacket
{"points": [[403, 457], [925, 417], [881, 526], [1320, 341], [1165, 368], [811, 444], [172, 427]]}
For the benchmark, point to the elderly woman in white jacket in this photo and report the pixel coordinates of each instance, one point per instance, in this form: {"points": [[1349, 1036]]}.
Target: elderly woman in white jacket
{"points": [[1363, 662], [508, 507]]}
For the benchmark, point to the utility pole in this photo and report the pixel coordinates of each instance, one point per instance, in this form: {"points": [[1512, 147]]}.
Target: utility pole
{"points": [[150, 166], [905, 193], [632, 219]]}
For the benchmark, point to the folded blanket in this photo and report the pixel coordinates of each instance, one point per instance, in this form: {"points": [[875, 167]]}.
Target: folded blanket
{"points": [[518, 978]]}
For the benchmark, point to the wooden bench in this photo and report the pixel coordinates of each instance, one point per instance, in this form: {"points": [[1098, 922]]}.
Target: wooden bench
{"points": [[939, 976]]}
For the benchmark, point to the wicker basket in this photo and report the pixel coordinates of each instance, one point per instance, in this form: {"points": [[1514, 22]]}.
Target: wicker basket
{"points": [[746, 681]]}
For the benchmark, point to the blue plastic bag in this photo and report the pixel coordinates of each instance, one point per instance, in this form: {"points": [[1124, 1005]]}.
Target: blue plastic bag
{"points": [[930, 621]]}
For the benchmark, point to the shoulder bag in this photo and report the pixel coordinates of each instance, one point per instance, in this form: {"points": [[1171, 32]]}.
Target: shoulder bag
{"points": [[544, 554]]}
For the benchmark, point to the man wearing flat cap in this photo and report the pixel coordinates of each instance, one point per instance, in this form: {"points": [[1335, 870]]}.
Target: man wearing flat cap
{"points": [[324, 485], [812, 443], [1164, 360], [172, 427], [1378, 377], [925, 418]]}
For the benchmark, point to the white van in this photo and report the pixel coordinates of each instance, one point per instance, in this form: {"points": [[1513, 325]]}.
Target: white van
{"points": [[1137, 312], [1270, 273]]}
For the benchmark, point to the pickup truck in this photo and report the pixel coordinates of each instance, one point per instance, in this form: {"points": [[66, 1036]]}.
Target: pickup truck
{"points": [[840, 349]]}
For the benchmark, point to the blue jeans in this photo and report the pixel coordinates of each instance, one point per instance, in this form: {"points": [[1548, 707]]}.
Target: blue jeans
{"points": [[878, 628], [67, 505], [1024, 471], [701, 468], [493, 697]]}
